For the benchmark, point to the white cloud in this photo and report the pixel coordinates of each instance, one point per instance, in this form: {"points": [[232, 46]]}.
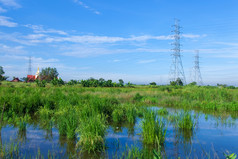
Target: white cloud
{"points": [[227, 43], [40, 29], [5, 21], [35, 36], [102, 39], [10, 3], [4, 49], [116, 60], [83, 50], [146, 61], [192, 36], [2, 10], [86, 7]]}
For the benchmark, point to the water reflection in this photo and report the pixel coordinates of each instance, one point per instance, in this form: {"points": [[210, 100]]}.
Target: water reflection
{"points": [[220, 131]]}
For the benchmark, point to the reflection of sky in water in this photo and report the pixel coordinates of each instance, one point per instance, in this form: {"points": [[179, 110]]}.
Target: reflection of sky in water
{"points": [[211, 135]]}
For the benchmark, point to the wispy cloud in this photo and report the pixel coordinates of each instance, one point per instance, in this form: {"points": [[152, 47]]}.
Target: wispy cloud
{"points": [[86, 7], [192, 36], [40, 29], [10, 3], [5, 49], [116, 60], [5, 21], [83, 51], [100, 39], [2, 10], [146, 61], [227, 43]]}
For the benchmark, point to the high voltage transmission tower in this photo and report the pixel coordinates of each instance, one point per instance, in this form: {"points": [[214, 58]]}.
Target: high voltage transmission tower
{"points": [[176, 70], [196, 69], [29, 66]]}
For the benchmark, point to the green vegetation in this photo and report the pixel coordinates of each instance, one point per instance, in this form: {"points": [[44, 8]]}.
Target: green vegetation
{"points": [[185, 121], [153, 128], [163, 111], [101, 83], [2, 78], [92, 131], [82, 111], [48, 74]]}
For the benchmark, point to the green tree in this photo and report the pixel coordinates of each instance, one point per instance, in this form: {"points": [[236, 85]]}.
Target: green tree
{"points": [[178, 82], [121, 83], [48, 74], [2, 78], [152, 83]]}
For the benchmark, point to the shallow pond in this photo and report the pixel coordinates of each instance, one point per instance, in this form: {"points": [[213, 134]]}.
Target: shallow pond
{"points": [[212, 136]]}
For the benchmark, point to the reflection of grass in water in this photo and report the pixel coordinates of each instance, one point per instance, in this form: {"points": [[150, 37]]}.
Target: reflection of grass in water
{"points": [[184, 124], [153, 128], [154, 152]]}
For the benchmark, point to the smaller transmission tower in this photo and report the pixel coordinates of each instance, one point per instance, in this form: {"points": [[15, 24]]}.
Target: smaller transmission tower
{"points": [[29, 66], [196, 69], [176, 70]]}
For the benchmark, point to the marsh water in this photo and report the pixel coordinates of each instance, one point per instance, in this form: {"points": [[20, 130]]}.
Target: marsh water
{"points": [[212, 136]]}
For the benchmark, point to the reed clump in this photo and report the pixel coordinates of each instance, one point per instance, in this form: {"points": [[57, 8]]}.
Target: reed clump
{"points": [[163, 111], [92, 131], [153, 128]]}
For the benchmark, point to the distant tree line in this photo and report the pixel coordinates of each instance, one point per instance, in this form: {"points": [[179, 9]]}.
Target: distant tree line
{"points": [[101, 83]]}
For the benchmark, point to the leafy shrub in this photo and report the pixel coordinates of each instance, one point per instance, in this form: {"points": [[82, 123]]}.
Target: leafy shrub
{"points": [[40, 83]]}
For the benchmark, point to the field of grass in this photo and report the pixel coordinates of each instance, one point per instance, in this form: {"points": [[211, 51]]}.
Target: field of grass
{"points": [[85, 113]]}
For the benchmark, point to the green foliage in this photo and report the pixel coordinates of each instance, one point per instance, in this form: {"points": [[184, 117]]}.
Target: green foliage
{"points": [[129, 84], [22, 122], [153, 84], [118, 115], [57, 82], [131, 113], [92, 132], [137, 97], [192, 84], [230, 156], [40, 83], [73, 82], [24, 79], [101, 83], [163, 111], [67, 121], [185, 121], [121, 83], [153, 128], [178, 82], [2, 78], [48, 74]]}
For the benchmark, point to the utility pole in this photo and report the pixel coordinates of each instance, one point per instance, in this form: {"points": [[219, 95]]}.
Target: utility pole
{"points": [[197, 77], [29, 66], [176, 70]]}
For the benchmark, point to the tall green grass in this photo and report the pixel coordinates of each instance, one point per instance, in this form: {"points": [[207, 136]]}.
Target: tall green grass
{"points": [[153, 128], [92, 131]]}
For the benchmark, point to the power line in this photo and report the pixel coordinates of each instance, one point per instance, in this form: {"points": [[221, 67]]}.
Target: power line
{"points": [[176, 70]]}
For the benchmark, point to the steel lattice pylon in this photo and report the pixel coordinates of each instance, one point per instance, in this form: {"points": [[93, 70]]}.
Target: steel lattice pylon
{"points": [[197, 77], [176, 70]]}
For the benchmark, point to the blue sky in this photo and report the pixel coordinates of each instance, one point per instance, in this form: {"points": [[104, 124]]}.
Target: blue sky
{"points": [[119, 39]]}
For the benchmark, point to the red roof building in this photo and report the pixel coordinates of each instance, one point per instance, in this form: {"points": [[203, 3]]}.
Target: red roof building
{"points": [[31, 78]]}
